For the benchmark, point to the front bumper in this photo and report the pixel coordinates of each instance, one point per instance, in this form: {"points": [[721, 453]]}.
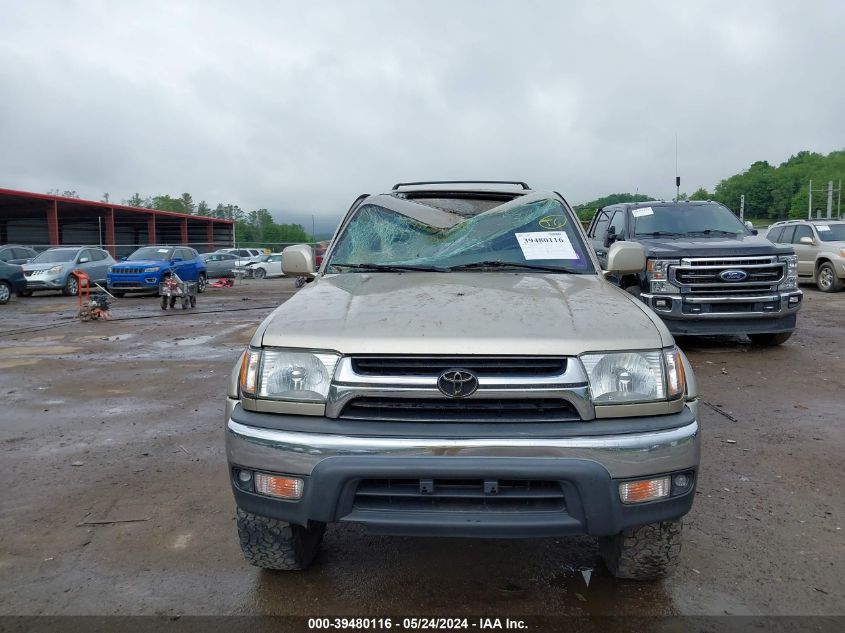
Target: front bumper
{"points": [[691, 314], [587, 468], [143, 281], [46, 282]]}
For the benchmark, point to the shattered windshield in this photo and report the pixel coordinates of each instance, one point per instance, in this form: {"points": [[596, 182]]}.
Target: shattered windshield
{"points": [[536, 235]]}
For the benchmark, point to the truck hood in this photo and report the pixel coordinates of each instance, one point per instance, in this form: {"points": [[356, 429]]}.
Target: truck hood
{"points": [[462, 313], [743, 245]]}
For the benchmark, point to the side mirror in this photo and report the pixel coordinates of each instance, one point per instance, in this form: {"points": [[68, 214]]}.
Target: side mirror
{"points": [[610, 238], [625, 258], [83, 260], [298, 261], [749, 225], [809, 241], [123, 259]]}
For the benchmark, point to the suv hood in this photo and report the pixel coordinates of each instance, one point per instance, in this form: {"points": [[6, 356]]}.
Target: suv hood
{"points": [[29, 267], [462, 313], [711, 247], [135, 263]]}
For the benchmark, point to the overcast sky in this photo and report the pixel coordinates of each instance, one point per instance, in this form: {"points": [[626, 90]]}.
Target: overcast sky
{"points": [[298, 107]]}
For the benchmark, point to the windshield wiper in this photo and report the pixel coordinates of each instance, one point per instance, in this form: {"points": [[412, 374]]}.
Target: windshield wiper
{"points": [[392, 268], [498, 264], [712, 232], [660, 234]]}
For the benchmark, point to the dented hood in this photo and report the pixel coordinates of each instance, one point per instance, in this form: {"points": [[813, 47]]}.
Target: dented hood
{"points": [[462, 313]]}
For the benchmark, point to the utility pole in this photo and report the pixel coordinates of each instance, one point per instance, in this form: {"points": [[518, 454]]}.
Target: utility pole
{"points": [[810, 203], [313, 227], [829, 199], [742, 208]]}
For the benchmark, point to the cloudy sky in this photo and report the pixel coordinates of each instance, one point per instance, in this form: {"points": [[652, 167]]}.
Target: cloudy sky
{"points": [[300, 106]]}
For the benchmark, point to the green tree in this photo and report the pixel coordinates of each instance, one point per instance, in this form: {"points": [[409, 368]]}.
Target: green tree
{"points": [[700, 194], [187, 204], [203, 208]]}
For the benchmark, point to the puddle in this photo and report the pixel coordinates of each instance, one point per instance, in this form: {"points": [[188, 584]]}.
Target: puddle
{"points": [[186, 342]]}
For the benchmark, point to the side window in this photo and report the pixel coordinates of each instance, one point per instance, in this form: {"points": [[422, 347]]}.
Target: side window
{"points": [[99, 255], [801, 230], [184, 253], [6, 254], [87, 252], [600, 226], [618, 223], [244, 253], [788, 232], [774, 234]]}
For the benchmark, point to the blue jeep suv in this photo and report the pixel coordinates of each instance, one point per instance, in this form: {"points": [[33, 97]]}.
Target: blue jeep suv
{"points": [[144, 269]]}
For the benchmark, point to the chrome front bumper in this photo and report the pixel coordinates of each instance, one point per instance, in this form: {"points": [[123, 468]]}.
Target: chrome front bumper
{"points": [[623, 456]]}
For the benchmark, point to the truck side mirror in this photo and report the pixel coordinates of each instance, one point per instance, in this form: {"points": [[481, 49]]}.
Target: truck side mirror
{"points": [[298, 261], [610, 237], [625, 258], [809, 241]]}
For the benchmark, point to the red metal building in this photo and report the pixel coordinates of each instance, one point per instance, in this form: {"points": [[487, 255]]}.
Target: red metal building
{"points": [[41, 220]]}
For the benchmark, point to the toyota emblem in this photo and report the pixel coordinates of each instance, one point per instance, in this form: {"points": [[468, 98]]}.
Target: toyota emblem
{"points": [[457, 383]]}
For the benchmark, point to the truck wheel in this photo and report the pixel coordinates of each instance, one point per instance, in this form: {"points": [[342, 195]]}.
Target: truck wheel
{"points": [[259, 273], [273, 544], [770, 339], [201, 282], [826, 279], [5, 292], [643, 553]]}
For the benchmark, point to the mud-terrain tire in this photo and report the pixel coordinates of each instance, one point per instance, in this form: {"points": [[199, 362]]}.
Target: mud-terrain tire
{"points": [[273, 544], [5, 292], [202, 282], [770, 339], [643, 553], [826, 279]]}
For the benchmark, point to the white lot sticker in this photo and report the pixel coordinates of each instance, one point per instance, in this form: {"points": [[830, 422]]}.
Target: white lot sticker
{"points": [[546, 245], [638, 213], [162, 250], [822, 227]]}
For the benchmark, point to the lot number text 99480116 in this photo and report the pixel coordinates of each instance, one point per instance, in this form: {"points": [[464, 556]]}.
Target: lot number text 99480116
{"points": [[431, 624]]}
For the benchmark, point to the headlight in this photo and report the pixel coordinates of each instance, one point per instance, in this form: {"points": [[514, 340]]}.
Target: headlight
{"points": [[635, 376], [287, 375], [152, 269], [657, 271], [54, 270], [790, 279]]}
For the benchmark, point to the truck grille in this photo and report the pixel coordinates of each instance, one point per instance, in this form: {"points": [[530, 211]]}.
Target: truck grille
{"points": [[128, 271], [702, 276], [460, 410], [460, 495], [480, 365]]}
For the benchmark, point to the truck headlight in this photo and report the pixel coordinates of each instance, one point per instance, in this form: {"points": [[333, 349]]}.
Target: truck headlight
{"points": [[646, 376], [790, 279], [657, 271], [287, 375]]}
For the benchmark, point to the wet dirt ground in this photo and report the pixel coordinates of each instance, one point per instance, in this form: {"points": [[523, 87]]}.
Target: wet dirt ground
{"points": [[115, 498]]}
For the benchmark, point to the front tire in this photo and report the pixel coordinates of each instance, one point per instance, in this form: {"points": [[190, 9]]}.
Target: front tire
{"points": [[770, 339], [201, 282], [826, 279], [71, 288], [259, 273], [5, 292], [274, 544], [643, 553]]}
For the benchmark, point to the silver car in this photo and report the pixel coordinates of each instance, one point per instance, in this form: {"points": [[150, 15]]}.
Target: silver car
{"points": [[51, 269]]}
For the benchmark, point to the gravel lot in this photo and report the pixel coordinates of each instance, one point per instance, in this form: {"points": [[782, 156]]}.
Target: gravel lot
{"points": [[122, 421]]}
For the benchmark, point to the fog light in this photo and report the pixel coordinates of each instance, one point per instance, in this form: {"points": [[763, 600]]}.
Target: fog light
{"points": [[277, 486], [681, 481], [793, 299], [244, 476], [645, 490]]}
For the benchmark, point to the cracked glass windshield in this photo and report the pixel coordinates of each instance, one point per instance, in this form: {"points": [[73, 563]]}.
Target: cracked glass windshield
{"points": [[536, 235]]}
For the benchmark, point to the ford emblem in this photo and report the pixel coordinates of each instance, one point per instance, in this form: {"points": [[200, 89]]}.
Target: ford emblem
{"points": [[733, 275]]}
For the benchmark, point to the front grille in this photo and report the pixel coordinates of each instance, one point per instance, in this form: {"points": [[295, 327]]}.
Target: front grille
{"points": [[460, 410], [769, 274], [131, 284], [480, 365], [460, 495], [128, 271], [701, 277]]}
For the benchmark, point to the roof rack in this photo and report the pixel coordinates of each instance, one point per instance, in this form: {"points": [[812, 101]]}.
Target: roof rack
{"points": [[457, 182]]}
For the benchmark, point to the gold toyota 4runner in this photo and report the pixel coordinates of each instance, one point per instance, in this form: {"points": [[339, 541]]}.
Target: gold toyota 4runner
{"points": [[459, 366]]}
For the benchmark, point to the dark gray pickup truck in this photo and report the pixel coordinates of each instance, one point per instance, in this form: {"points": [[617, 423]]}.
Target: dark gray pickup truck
{"points": [[706, 272]]}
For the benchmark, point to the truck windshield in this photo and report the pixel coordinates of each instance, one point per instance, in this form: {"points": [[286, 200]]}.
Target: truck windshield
{"points": [[155, 253], [682, 220], [831, 232], [534, 236]]}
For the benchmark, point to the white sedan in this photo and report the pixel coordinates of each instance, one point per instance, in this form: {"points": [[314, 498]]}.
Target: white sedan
{"points": [[270, 267]]}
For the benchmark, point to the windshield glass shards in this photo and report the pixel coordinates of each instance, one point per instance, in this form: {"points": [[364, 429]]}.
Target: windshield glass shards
{"points": [[686, 220], [536, 236]]}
